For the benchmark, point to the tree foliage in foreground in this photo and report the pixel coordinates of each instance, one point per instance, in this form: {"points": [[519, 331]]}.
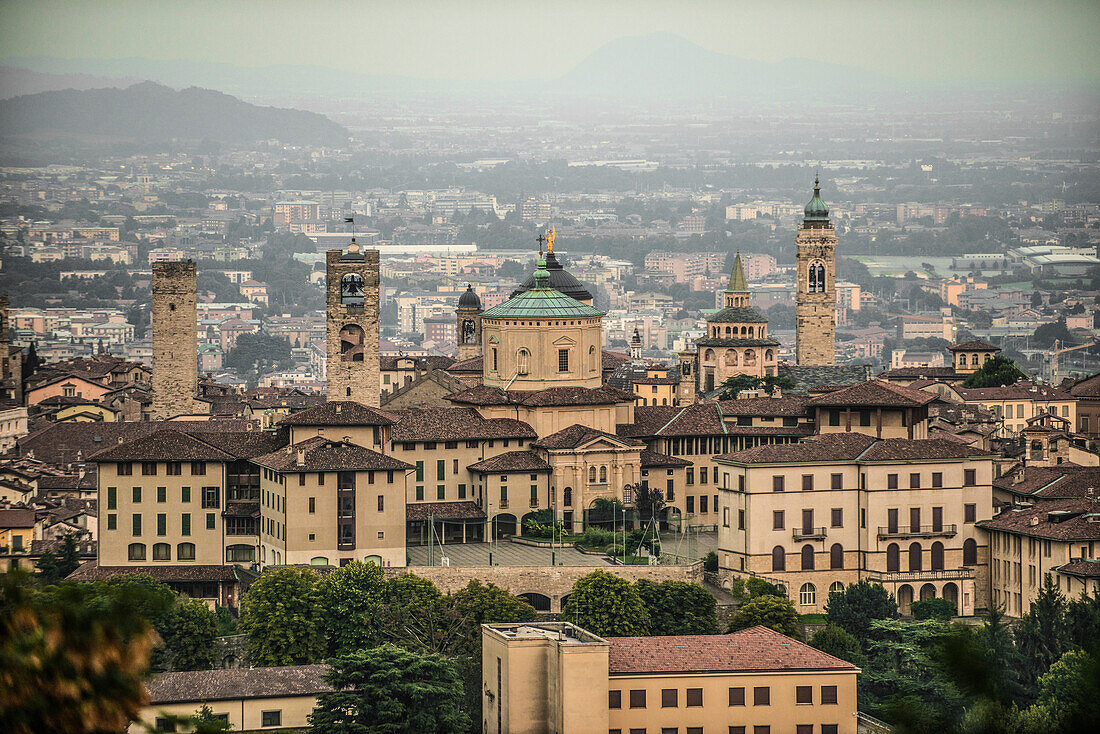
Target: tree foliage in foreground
{"points": [[858, 606], [678, 608], [607, 605], [283, 617], [774, 612]]}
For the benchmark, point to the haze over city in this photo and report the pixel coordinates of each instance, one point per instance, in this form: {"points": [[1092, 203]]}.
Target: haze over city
{"points": [[693, 368]]}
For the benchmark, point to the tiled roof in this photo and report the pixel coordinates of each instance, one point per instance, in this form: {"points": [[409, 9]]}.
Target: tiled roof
{"points": [[737, 315], [552, 396], [16, 518], [609, 360], [576, 434], [824, 447], [455, 424], [165, 445], [467, 510], [196, 686], [757, 649], [511, 461], [324, 454], [432, 361], [1023, 390], [648, 420], [656, 381], [874, 393], [807, 376], [1052, 482], [337, 413], [930, 373], [974, 345], [715, 341], [243, 444], [1086, 387], [1054, 520], [653, 460], [92, 571], [475, 364], [903, 449], [1084, 568], [788, 405], [698, 419]]}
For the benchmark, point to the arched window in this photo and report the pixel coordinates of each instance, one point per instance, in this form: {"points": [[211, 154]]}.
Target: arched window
{"points": [[162, 552], [136, 552], [750, 332], [731, 358], [185, 552], [352, 342], [937, 556], [708, 355], [664, 401], [523, 357], [892, 560], [603, 475], [807, 595], [769, 356], [973, 360], [243, 554], [970, 552], [836, 556], [812, 278], [836, 588], [318, 561], [807, 557], [728, 331], [592, 358], [351, 289], [348, 391], [750, 357], [915, 557], [779, 559], [820, 278], [567, 496], [591, 475]]}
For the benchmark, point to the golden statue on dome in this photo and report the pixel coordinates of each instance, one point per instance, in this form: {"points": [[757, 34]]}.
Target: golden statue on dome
{"points": [[550, 240]]}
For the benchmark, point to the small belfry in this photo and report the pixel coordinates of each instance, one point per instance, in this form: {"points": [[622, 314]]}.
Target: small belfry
{"points": [[815, 300], [352, 325], [468, 315]]}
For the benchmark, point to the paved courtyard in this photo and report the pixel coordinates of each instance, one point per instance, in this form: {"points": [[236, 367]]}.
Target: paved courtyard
{"points": [[506, 553]]}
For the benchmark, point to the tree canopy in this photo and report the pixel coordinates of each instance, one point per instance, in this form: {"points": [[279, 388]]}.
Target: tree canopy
{"points": [[1000, 370], [775, 612], [283, 617], [352, 597], [607, 605], [855, 608], [678, 608]]}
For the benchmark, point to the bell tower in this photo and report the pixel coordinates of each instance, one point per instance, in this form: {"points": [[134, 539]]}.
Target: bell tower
{"points": [[352, 325], [815, 302], [468, 315]]}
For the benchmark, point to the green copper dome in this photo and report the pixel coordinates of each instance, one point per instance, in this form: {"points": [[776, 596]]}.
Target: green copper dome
{"points": [[541, 302], [738, 284], [816, 210]]}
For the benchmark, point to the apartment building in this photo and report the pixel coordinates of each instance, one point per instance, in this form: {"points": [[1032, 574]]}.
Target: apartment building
{"points": [[555, 677], [1016, 403], [838, 508]]}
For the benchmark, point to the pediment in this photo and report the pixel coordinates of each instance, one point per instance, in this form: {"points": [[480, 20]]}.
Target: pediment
{"points": [[493, 339], [564, 341]]}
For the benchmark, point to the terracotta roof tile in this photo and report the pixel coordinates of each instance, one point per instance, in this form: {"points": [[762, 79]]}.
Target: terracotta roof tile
{"points": [[757, 649], [1066, 520], [337, 413], [573, 436], [875, 393], [324, 454], [223, 685], [455, 424], [974, 345], [165, 445], [444, 511], [824, 447], [1023, 390], [1082, 567], [92, 571], [788, 405], [653, 460], [511, 461]]}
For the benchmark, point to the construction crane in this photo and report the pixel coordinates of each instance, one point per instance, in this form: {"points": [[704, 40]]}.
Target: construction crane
{"points": [[1056, 352]]}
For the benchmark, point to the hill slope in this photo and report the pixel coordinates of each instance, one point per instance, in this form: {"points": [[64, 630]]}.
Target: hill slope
{"points": [[149, 112]]}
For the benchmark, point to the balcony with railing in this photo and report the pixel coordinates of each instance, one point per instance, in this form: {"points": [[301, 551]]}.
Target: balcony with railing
{"points": [[922, 531], [809, 533], [953, 574]]}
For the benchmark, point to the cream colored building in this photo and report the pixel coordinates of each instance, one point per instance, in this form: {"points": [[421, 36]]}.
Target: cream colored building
{"points": [[554, 677], [1014, 404], [252, 699], [970, 356], [837, 508]]}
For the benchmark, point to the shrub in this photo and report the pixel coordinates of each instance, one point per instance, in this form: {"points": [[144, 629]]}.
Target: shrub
{"points": [[941, 609], [710, 562], [615, 549], [597, 537]]}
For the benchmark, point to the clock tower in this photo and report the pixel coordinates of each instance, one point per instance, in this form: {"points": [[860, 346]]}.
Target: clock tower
{"points": [[815, 301], [352, 325], [468, 315]]}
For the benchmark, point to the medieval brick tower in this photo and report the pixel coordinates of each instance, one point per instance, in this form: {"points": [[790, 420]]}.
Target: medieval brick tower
{"points": [[11, 360], [175, 343], [815, 303], [468, 315], [352, 285]]}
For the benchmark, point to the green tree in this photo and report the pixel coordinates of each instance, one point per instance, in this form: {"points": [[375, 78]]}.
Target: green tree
{"points": [[855, 608], [352, 597], [283, 618], [996, 372], [1041, 635], [935, 608], [390, 690], [258, 354], [835, 641], [1069, 693], [607, 605], [189, 635], [735, 384], [1083, 619], [753, 586], [1047, 334], [648, 502], [775, 612], [72, 657], [480, 604], [55, 567], [678, 608]]}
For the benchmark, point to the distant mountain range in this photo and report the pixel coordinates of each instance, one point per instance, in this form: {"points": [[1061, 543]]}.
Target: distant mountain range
{"points": [[151, 113]]}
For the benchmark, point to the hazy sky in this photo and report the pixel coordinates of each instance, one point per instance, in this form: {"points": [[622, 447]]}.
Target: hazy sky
{"points": [[950, 39]]}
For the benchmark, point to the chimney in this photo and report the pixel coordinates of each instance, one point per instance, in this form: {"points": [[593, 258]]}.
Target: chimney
{"points": [[301, 459], [339, 408]]}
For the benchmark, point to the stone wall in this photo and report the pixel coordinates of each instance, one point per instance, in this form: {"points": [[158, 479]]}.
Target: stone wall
{"points": [[175, 342], [554, 582], [353, 379]]}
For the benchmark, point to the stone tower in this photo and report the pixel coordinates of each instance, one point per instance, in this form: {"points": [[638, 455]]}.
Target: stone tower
{"points": [[685, 391], [636, 346], [11, 360], [175, 342], [352, 285], [468, 316], [815, 303]]}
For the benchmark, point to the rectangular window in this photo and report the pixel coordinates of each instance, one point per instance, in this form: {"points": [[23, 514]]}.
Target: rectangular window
{"points": [[125, 469], [149, 468], [804, 694], [441, 491], [174, 468], [694, 697], [301, 479], [419, 493], [112, 498], [185, 523], [441, 469], [807, 482], [703, 503], [914, 480], [381, 503], [892, 520], [737, 730], [162, 524], [271, 718], [320, 479], [137, 494], [669, 698], [834, 417], [777, 483], [837, 517], [185, 494], [563, 360], [970, 513], [937, 479], [690, 475], [462, 491], [691, 504], [420, 471], [914, 519], [762, 729], [830, 728], [614, 699], [702, 475], [211, 497], [136, 520], [312, 505], [112, 521], [741, 483], [162, 494], [891, 481], [725, 517], [740, 519], [836, 481], [828, 694], [737, 697], [637, 699], [804, 729], [198, 468], [503, 496], [761, 696], [970, 477], [937, 519], [210, 521], [777, 520]]}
